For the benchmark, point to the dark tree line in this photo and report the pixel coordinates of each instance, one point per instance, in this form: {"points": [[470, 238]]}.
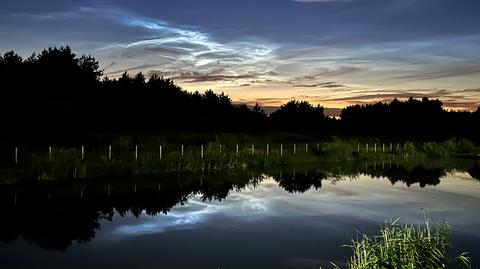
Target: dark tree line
{"points": [[424, 119], [57, 92]]}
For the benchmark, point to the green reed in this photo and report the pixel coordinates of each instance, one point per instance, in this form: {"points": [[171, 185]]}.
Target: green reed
{"points": [[406, 247]]}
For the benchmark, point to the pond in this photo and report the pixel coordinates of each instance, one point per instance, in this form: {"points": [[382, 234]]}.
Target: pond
{"points": [[290, 217]]}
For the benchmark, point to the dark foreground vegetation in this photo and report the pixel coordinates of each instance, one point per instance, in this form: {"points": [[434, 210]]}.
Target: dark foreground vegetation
{"points": [[127, 157], [55, 94], [407, 246]]}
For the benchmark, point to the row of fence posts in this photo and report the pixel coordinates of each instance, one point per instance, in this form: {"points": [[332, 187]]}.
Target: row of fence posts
{"points": [[182, 151], [82, 149], [383, 147], [202, 150]]}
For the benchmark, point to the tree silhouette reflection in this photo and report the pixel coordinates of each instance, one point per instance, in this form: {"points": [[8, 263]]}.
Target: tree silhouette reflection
{"points": [[55, 214]]}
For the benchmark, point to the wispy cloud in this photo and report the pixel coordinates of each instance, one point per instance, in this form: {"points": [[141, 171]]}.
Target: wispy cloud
{"points": [[344, 66], [214, 75], [190, 55], [183, 52], [452, 72], [329, 72], [330, 85]]}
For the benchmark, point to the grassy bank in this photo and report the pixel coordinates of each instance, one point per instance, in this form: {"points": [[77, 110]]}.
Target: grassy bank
{"points": [[406, 246], [200, 153]]}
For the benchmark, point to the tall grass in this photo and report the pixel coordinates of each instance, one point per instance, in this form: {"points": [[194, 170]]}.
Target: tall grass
{"points": [[406, 247], [219, 153]]}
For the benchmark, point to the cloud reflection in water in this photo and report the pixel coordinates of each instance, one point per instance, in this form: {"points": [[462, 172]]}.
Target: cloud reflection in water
{"points": [[363, 199]]}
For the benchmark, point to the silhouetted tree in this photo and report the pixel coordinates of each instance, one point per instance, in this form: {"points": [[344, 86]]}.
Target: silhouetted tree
{"points": [[298, 116]]}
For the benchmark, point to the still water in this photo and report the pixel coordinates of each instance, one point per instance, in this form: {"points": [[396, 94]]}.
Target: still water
{"points": [[285, 218]]}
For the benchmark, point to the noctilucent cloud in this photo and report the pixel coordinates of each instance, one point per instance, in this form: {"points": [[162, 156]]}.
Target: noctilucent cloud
{"points": [[331, 52]]}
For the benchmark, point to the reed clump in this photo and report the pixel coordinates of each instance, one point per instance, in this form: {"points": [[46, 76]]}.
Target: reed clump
{"points": [[406, 247]]}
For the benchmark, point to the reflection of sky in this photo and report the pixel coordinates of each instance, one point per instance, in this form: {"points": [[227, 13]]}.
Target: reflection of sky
{"points": [[364, 200], [195, 212]]}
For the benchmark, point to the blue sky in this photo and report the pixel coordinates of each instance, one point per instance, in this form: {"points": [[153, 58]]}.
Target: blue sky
{"points": [[332, 52]]}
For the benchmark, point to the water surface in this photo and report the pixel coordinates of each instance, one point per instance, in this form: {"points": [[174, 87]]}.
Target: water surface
{"points": [[286, 218]]}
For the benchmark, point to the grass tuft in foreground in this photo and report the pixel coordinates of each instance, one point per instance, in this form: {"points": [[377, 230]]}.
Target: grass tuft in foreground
{"points": [[404, 247]]}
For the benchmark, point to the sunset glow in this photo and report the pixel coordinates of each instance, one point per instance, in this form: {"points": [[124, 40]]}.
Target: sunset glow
{"points": [[333, 53]]}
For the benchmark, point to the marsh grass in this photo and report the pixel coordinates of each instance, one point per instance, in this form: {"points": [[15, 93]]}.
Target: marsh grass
{"points": [[406, 247], [219, 154]]}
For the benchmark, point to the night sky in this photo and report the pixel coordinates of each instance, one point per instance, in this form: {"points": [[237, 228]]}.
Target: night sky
{"points": [[332, 52]]}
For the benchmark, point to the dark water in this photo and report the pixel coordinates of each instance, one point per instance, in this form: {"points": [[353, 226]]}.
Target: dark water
{"points": [[284, 218]]}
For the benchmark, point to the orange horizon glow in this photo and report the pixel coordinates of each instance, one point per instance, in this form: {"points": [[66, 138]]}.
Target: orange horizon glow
{"points": [[267, 97]]}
